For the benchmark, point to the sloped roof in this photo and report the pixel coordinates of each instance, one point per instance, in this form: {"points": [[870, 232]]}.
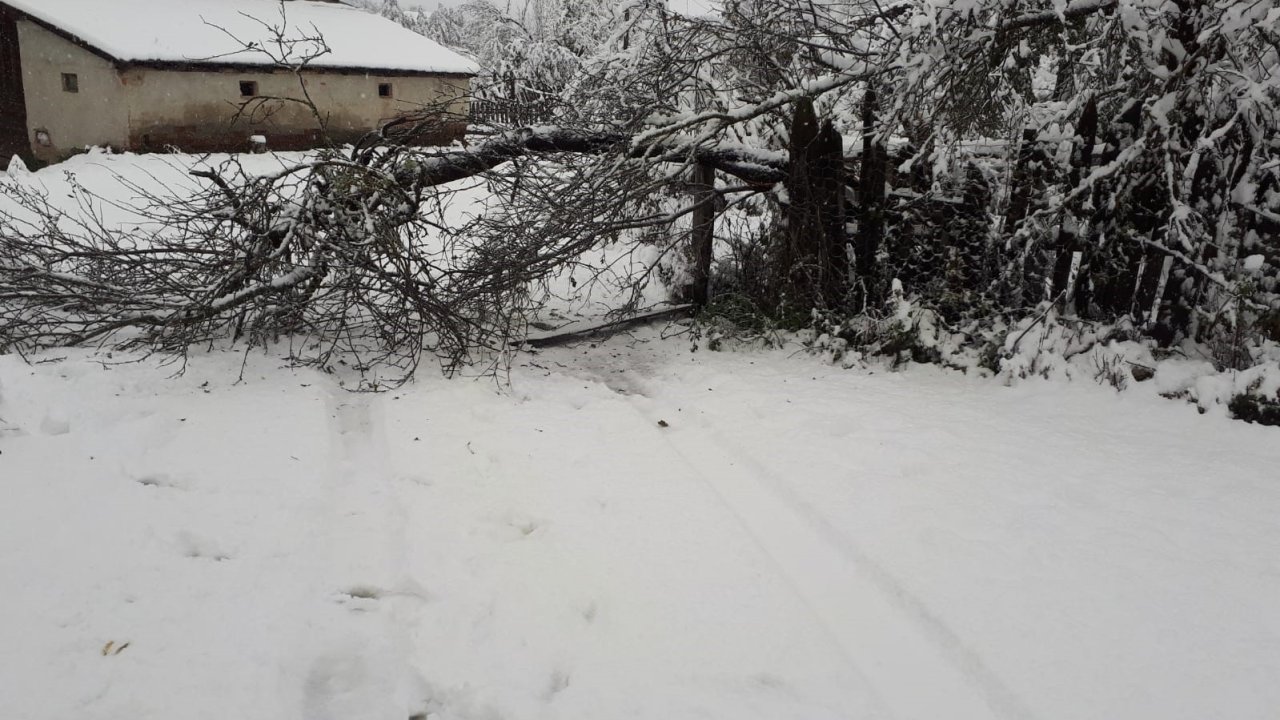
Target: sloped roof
{"points": [[217, 31]]}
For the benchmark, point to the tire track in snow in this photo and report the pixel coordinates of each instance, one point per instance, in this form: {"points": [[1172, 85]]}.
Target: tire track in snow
{"points": [[1002, 698], [364, 669], [920, 667]]}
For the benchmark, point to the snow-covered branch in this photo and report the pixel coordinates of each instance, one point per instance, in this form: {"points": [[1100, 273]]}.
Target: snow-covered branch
{"points": [[751, 165]]}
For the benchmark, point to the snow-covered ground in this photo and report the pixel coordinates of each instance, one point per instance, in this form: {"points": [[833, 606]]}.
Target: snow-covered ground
{"points": [[630, 530]]}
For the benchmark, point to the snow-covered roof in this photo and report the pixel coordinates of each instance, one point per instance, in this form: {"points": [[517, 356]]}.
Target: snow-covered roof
{"points": [[217, 31]]}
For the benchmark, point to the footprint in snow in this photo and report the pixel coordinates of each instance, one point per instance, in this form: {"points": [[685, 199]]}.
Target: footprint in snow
{"points": [[197, 547], [159, 480], [518, 527], [559, 683], [362, 676], [417, 480], [364, 597]]}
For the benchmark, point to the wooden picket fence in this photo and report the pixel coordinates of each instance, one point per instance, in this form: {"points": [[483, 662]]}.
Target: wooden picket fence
{"points": [[507, 113]]}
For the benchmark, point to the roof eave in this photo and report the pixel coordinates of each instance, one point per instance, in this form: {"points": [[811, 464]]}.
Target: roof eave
{"points": [[63, 33], [201, 66]]}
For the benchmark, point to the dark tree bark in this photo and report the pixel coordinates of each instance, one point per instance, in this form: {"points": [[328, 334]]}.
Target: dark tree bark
{"points": [[830, 191], [797, 263], [814, 262], [702, 235], [871, 195]]}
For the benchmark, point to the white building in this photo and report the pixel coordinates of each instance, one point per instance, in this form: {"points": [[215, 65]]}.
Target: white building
{"points": [[207, 75]]}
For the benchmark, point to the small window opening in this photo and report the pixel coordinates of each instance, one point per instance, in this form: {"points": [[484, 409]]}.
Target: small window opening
{"points": [[248, 88], [70, 82], [384, 89]]}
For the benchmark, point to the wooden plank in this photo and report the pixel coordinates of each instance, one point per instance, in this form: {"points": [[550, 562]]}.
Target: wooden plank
{"points": [[574, 332]]}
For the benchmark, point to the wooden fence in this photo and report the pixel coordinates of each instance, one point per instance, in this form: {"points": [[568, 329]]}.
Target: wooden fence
{"points": [[503, 112]]}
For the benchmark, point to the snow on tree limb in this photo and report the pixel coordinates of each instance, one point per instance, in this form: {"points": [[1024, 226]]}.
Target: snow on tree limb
{"points": [[1073, 10], [753, 166]]}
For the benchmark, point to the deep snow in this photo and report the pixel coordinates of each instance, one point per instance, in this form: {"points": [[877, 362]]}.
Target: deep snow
{"points": [[798, 541]]}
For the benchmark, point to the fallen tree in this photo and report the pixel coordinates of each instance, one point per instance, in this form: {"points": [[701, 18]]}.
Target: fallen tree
{"points": [[346, 247]]}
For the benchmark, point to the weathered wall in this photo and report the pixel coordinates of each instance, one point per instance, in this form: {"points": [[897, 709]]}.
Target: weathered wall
{"points": [[96, 115], [204, 110]]}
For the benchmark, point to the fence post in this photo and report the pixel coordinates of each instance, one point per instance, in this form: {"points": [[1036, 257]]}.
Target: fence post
{"points": [[1075, 227], [702, 234], [829, 185], [871, 198]]}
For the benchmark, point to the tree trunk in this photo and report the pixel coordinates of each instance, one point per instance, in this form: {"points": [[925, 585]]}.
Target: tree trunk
{"points": [[702, 235], [798, 263], [830, 191], [871, 192], [815, 262]]}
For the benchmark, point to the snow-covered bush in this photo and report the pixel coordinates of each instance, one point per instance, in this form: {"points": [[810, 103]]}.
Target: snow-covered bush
{"points": [[732, 321], [1255, 408], [903, 332], [1043, 346]]}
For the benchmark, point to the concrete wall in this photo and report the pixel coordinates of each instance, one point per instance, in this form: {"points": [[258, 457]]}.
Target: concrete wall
{"points": [[96, 115], [204, 110]]}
